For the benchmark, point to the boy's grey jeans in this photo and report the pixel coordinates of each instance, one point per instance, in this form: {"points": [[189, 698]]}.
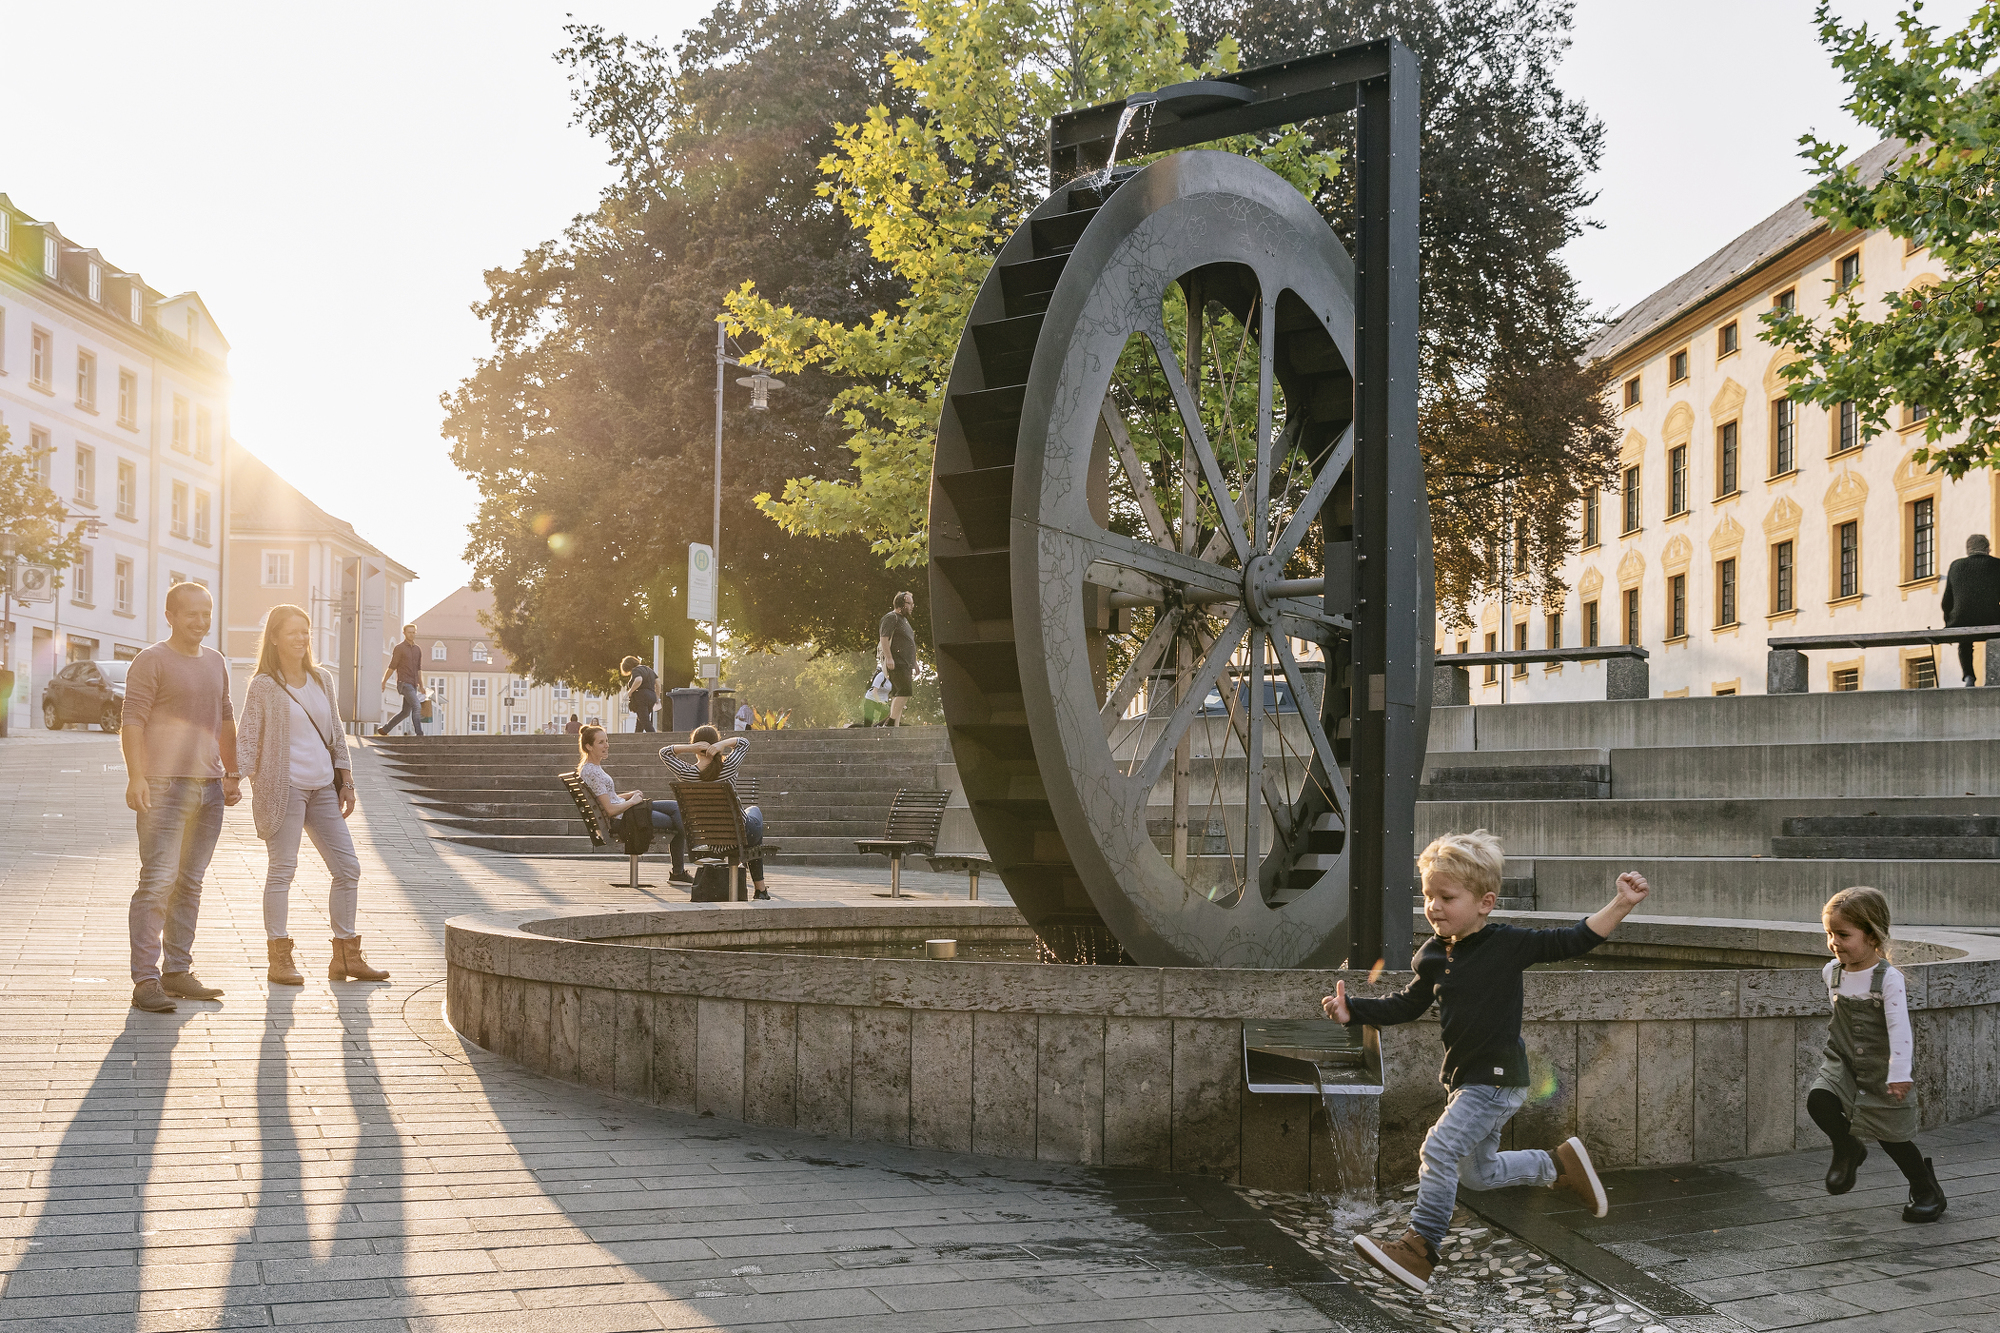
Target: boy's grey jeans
{"points": [[1465, 1144]]}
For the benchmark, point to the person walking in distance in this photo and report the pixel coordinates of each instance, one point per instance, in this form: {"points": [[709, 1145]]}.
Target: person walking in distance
{"points": [[896, 654], [642, 691], [301, 782], [406, 661], [179, 742], [1972, 596]]}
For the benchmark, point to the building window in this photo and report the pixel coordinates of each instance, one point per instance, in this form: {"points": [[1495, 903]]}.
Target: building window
{"points": [[86, 381], [1850, 428], [479, 653], [201, 513], [1677, 367], [1847, 680], [1521, 646], [437, 688], [277, 569], [1632, 392], [1554, 626], [1725, 459], [138, 303], [80, 579], [1784, 436], [1677, 606], [1726, 339], [180, 438], [1915, 413], [1591, 535], [518, 724], [477, 724], [128, 489], [561, 690], [1920, 673], [1677, 480], [438, 653], [86, 475], [128, 398], [1725, 593], [1590, 629], [41, 358], [41, 455], [479, 687], [122, 584], [1923, 539], [6, 232], [1850, 270], [1492, 646], [1787, 300], [1781, 577], [204, 446], [1632, 615], [51, 254], [1520, 545], [95, 283], [178, 523], [1848, 539], [1631, 493], [175, 578]]}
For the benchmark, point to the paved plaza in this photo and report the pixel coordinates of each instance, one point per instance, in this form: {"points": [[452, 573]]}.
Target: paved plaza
{"points": [[334, 1156]]}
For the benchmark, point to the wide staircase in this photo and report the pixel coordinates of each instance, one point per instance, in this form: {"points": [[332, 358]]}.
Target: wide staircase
{"points": [[819, 790], [1755, 807]]}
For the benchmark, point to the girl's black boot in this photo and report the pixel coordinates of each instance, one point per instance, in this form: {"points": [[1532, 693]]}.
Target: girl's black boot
{"points": [[1847, 1159], [1926, 1197]]}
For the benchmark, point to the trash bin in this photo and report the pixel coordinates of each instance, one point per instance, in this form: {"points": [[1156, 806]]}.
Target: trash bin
{"points": [[722, 711], [6, 699], [690, 708]]}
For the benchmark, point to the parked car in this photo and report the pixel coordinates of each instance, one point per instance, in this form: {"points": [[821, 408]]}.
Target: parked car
{"points": [[83, 693]]}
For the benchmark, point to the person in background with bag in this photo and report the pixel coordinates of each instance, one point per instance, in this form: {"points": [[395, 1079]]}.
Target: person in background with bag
{"points": [[896, 654], [406, 664], [642, 691], [301, 781]]}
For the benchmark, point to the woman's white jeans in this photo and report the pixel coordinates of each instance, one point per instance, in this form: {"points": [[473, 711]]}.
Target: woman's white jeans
{"points": [[315, 813]]}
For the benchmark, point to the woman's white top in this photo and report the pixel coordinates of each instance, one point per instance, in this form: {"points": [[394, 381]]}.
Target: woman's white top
{"points": [[597, 780], [1895, 1010], [312, 766]]}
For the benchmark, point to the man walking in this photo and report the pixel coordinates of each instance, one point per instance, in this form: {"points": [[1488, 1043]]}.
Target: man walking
{"points": [[1972, 595], [406, 661], [179, 740], [896, 654]]}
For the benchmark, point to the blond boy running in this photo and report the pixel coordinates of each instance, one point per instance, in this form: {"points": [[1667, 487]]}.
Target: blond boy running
{"points": [[1472, 969]]}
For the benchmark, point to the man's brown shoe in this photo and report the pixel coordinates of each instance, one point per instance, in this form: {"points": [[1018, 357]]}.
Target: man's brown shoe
{"points": [[187, 986], [283, 971], [1575, 1174], [147, 995], [1408, 1258]]}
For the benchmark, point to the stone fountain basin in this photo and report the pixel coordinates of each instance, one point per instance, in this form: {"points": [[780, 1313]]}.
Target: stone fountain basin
{"points": [[1704, 1057]]}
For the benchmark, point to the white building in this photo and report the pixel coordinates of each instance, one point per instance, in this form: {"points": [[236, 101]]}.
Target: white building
{"points": [[122, 394], [474, 688], [1741, 515]]}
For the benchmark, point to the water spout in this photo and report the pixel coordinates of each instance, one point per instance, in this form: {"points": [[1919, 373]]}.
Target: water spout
{"points": [[1354, 1127]]}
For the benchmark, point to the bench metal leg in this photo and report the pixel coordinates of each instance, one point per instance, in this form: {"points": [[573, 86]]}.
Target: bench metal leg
{"points": [[974, 896], [895, 874], [631, 880]]}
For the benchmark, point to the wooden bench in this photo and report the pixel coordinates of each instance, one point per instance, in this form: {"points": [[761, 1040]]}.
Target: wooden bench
{"points": [[1626, 675], [914, 820], [712, 814], [635, 834], [1785, 669]]}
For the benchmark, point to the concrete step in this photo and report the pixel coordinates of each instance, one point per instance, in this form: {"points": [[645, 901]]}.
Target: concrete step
{"points": [[1514, 791], [1893, 826], [578, 847], [1754, 719], [1889, 849], [1877, 768], [1924, 893]]}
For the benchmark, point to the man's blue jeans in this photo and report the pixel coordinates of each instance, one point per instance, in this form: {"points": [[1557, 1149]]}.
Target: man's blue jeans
{"points": [[1464, 1144], [413, 709], [176, 839]]}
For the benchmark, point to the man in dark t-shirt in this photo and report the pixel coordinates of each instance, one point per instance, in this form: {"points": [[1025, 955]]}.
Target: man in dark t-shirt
{"points": [[1972, 596], [896, 654], [406, 664]]}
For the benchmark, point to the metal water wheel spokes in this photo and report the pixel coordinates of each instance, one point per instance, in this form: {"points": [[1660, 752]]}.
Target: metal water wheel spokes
{"points": [[1142, 566]]}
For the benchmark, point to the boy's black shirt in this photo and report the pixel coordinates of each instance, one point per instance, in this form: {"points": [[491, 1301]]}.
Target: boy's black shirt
{"points": [[1477, 985]]}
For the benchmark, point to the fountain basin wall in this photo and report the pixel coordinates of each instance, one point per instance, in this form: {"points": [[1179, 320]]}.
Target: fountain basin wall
{"points": [[1132, 1066]]}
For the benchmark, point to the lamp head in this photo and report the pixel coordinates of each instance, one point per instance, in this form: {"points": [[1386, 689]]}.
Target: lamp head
{"points": [[760, 386]]}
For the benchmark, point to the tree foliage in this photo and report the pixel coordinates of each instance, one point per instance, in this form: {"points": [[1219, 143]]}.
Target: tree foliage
{"points": [[1513, 422], [1931, 346], [589, 430], [33, 513]]}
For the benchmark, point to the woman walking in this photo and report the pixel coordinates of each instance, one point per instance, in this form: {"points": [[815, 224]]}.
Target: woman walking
{"points": [[302, 781]]}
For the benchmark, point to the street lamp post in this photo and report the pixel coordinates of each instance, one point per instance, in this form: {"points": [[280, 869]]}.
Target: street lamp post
{"points": [[8, 551], [760, 386]]}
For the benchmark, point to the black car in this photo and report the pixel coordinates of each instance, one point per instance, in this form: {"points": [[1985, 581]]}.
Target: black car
{"points": [[83, 693]]}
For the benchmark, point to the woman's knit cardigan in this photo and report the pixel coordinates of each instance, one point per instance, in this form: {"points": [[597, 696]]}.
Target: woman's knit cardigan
{"points": [[264, 747]]}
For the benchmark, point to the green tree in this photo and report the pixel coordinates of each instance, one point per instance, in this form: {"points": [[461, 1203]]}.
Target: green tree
{"points": [[821, 689], [1930, 346], [32, 513], [936, 190], [589, 430], [1513, 420]]}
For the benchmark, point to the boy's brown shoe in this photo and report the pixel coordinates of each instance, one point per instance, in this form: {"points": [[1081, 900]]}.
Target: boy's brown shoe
{"points": [[1408, 1258], [1575, 1174]]}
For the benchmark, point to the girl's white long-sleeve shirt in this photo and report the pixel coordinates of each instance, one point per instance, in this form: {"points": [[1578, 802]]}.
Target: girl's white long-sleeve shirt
{"points": [[1895, 1009]]}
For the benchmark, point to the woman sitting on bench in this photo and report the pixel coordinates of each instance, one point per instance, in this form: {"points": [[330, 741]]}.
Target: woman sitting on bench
{"points": [[708, 758], [593, 745]]}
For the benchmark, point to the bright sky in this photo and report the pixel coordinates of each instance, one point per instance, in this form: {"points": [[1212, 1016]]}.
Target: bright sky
{"points": [[334, 183]]}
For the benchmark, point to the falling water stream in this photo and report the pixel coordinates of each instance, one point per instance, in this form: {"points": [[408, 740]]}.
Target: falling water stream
{"points": [[1103, 178], [1354, 1123]]}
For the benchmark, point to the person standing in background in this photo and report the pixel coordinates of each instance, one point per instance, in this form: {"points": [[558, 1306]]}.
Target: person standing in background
{"points": [[1972, 596], [405, 662], [574, 726], [896, 654], [179, 742], [642, 691]]}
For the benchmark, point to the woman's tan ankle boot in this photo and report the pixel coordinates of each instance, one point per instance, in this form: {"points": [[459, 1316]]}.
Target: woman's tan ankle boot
{"points": [[348, 962], [283, 972]]}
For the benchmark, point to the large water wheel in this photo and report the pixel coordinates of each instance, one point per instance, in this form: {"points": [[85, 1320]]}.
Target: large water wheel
{"points": [[1145, 570]]}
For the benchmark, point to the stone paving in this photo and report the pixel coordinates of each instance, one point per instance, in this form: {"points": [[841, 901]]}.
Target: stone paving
{"points": [[335, 1157]]}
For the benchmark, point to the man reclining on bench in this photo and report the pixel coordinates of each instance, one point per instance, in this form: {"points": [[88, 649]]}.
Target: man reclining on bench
{"points": [[706, 757]]}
